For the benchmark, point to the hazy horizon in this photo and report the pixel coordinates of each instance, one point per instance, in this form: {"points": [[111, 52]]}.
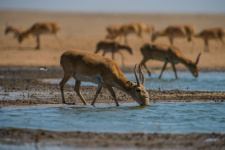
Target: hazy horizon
{"points": [[118, 6]]}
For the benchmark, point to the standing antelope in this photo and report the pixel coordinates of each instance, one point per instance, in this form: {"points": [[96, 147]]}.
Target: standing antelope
{"points": [[167, 53], [137, 28], [213, 33], [174, 31], [40, 28], [90, 67], [14, 30], [113, 47]]}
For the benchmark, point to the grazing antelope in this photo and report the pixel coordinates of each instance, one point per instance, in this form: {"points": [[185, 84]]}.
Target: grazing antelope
{"points": [[213, 33], [90, 67], [14, 30], [137, 28], [39, 28], [113, 47], [112, 29], [174, 31], [167, 53]]}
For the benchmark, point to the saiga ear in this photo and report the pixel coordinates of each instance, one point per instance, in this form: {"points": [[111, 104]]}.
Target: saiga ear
{"points": [[129, 84]]}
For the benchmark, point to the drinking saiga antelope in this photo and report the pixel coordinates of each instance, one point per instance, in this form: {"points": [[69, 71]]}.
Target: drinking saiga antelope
{"points": [[212, 33], [38, 29], [112, 47], [167, 54], [15, 31], [90, 67]]}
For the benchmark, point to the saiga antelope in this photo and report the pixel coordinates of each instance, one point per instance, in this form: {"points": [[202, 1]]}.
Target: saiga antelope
{"points": [[112, 29], [90, 67], [40, 28], [136, 28], [112, 47], [213, 33], [175, 31], [15, 31], [167, 54]]}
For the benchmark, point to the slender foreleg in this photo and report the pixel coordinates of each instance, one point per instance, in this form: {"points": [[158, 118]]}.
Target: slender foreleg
{"points": [[174, 69], [62, 83], [163, 68], [112, 93], [96, 95], [38, 42], [77, 90]]}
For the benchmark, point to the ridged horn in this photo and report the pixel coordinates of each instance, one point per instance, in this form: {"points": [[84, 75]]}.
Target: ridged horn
{"points": [[143, 75], [135, 72], [197, 60]]}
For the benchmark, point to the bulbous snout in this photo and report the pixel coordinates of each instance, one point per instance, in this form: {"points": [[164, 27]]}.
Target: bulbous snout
{"points": [[146, 103], [195, 74]]}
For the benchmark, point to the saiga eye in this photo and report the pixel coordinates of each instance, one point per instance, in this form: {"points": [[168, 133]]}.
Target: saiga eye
{"points": [[138, 90]]}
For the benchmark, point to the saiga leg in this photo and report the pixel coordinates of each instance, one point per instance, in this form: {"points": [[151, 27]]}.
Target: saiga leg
{"points": [[163, 68], [104, 52], [62, 83], [38, 41], [171, 40], [96, 95], [125, 39], [97, 50], [174, 69], [206, 45], [112, 93], [77, 90], [122, 58], [113, 51], [143, 63]]}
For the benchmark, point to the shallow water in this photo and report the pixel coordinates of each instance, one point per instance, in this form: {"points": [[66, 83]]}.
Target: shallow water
{"points": [[206, 81], [158, 117]]}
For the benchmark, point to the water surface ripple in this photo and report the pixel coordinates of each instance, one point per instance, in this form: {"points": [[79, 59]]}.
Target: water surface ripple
{"points": [[158, 117]]}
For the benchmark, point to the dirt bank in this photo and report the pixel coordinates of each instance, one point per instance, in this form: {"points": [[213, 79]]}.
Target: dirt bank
{"points": [[42, 138], [28, 82]]}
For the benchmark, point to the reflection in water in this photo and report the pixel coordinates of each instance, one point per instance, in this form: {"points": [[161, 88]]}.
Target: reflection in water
{"points": [[158, 117]]}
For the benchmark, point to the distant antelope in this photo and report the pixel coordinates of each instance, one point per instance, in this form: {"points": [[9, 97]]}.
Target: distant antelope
{"points": [[13, 30], [136, 28], [167, 53], [175, 31], [40, 28], [112, 29], [113, 47], [90, 67], [213, 33]]}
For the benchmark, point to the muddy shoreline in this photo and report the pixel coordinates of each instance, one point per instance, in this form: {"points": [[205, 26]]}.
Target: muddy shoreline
{"points": [[43, 138], [28, 82]]}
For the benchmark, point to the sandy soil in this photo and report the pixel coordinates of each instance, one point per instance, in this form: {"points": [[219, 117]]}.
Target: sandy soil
{"points": [[19, 72]]}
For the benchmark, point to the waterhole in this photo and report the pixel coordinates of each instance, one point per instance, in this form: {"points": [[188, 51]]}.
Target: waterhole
{"points": [[158, 117]]}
